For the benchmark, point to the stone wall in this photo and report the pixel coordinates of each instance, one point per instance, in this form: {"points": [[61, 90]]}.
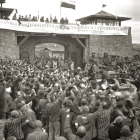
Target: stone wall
{"points": [[8, 44], [113, 45]]}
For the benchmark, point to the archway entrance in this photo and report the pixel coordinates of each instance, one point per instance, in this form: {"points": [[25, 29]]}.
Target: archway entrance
{"points": [[70, 48], [50, 50]]}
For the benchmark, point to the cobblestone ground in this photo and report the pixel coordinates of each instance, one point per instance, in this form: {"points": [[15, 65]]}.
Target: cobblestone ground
{"points": [[1, 128]]}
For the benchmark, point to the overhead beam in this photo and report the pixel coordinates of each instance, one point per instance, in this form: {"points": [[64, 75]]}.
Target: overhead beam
{"points": [[81, 43], [79, 36], [23, 40], [22, 34]]}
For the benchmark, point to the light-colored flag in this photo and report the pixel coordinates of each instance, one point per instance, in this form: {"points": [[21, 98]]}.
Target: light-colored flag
{"points": [[68, 4]]}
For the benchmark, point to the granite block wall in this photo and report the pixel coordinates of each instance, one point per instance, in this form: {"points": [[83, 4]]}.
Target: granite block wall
{"points": [[8, 44]]}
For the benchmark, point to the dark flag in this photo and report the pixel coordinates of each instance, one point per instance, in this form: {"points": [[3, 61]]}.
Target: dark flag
{"points": [[104, 5]]}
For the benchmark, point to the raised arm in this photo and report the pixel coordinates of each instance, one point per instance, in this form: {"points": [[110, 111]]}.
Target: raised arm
{"points": [[67, 129]]}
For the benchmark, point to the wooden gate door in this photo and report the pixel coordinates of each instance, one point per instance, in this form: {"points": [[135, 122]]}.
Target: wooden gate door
{"points": [[24, 56]]}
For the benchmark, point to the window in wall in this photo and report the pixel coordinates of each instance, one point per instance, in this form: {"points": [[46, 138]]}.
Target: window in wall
{"points": [[106, 22], [111, 22], [116, 23], [99, 21], [103, 22], [93, 22]]}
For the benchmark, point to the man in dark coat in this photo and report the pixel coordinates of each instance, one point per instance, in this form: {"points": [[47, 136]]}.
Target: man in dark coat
{"points": [[115, 129], [38, 134], [81, 131], [63, 113]]}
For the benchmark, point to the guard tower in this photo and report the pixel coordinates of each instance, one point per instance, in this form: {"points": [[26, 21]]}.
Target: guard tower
{"points": [[103, 18], [5, 12]]}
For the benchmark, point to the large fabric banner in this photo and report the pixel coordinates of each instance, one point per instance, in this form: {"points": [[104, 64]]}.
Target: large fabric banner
{"points": [[42, 27]]}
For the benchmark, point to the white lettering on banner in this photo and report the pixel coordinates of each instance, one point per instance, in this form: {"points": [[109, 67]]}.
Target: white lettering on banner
{"points": [[42, 27]]}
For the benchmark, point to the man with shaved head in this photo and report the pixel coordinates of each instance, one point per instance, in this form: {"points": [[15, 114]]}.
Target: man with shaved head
{"points": [[128, 135], [38, 134], [88, 121]]}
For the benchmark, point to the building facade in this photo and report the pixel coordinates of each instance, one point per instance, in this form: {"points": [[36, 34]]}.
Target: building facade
{"points": [[100, 33]]}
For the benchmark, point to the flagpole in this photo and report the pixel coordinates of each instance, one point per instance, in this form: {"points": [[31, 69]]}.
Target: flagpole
{"points": [[60, 12]]}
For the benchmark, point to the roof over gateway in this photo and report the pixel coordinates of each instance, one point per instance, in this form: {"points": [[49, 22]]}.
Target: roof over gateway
{"points": [[7, 11], [104, 15]]}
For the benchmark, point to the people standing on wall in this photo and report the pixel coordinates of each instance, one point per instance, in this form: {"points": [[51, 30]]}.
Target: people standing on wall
{"points": [[55, 20], [36, 19], [19, 18], [14, 17], [22, 18], [47, 20], [66, 21], [33, 19], [62, 21], [30, 18], [26, 18], [42, 19]]}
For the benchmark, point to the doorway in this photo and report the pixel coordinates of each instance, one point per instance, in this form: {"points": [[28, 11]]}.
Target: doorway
{"points": [[24, 56]]}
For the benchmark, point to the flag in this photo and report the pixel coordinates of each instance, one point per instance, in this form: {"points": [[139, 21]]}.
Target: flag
{"points": [[68, 4], [50, 17], [104, 5]]}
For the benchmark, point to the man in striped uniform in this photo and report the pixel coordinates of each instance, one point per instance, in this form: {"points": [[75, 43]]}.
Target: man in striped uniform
{"points": [[13, 126], [103, 120]]}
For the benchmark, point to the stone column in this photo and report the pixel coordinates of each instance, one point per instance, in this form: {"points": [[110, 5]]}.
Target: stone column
{"points": [[8, 44], [86, 50], [70, 48]]}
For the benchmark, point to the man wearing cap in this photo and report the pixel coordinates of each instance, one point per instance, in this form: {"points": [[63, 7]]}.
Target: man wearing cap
{"points": [[38, 134]]}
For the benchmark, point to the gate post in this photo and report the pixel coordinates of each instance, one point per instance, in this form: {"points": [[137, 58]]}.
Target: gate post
{"points": [[86, 50]]}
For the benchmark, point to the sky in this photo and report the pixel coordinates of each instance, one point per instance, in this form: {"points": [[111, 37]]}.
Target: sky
{"points": [[125, 8]]}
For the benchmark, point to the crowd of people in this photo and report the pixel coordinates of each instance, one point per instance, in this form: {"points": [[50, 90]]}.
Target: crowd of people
{"points": [[36, 19], [51, 100]]}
